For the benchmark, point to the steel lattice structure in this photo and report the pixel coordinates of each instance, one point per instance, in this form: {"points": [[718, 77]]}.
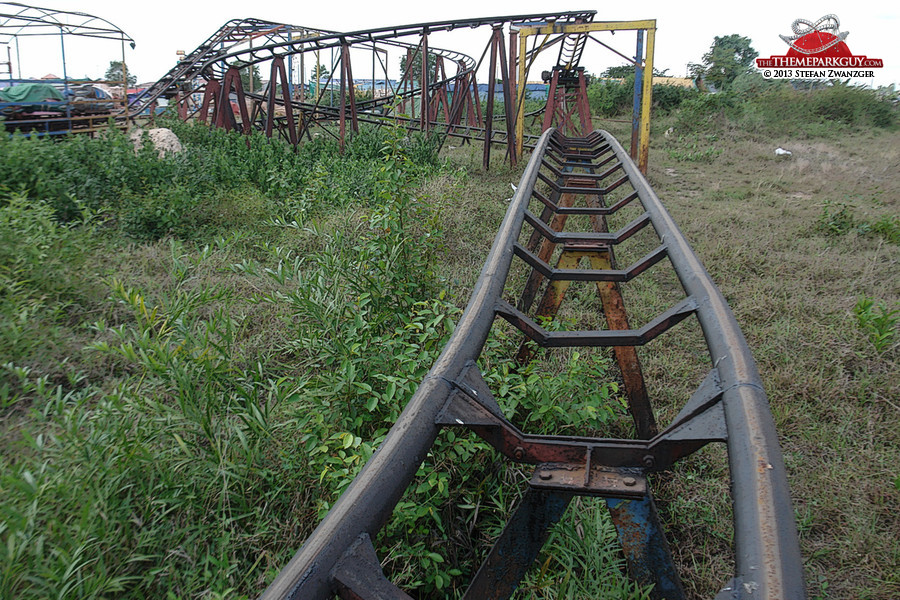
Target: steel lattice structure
{"points": [[588, 180], [443, 96]]}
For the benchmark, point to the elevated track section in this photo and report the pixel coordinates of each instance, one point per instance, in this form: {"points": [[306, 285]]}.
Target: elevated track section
{"points": [[444, 96]]}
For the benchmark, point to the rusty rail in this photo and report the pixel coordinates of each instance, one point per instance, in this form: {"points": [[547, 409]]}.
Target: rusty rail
{"points": [[445, 99], [566, 181]]}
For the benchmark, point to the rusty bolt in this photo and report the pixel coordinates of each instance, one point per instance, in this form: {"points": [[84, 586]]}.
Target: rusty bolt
{"points": [[629, 481], [519, 453], [545, 474], [649, 461]]}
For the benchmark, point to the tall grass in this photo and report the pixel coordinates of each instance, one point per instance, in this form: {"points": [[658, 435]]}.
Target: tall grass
{"points": [[200, 352], [766, 107]]}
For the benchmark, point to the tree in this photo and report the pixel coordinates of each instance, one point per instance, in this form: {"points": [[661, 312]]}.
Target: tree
{"points": [[114, 72], [415, 72], [319, 72], [728, 57], [625, 71], [245, 77]]}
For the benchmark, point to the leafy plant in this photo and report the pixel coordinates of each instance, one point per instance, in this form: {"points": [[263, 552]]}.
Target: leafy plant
{"points": [[877, 321], [836, 219]]}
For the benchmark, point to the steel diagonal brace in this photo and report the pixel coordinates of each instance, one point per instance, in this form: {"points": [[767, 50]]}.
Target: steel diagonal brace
{"points": [[578, 210], [553, 274], [358, 574]]}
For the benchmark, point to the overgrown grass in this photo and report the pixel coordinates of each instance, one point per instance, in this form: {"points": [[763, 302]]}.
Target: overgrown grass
{"points": [[803, 249], [192, 374], [612, 98], [199, 352], [777, 108]]}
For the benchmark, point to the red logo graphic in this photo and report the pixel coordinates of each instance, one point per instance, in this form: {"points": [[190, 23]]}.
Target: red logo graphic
{"points": [[819, 45]]}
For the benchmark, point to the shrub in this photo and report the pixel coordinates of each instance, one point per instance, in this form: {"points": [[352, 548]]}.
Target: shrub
{"points": [[777, 107], [610, 98], [669, 97], [877, 321], [703, 111]]}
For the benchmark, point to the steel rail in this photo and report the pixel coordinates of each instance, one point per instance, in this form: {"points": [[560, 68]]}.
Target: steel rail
{"points": [[765, 532], [728, 406], [387, 34], [205, 59], [767, 553], [369, 500]]}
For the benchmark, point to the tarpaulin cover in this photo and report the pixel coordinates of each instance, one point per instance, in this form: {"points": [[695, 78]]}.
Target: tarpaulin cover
{"points": [[30, 92]]}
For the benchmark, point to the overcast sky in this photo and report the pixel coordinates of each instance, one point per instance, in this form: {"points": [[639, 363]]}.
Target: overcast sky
{"points": [[161, 27]]}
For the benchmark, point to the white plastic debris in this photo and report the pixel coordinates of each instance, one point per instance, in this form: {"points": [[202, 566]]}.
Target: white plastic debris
{"points": [[782, 152]]}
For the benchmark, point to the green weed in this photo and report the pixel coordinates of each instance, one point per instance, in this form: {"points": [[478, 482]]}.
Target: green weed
{"points": [[755, 104], [877, 321], [836, 219]]}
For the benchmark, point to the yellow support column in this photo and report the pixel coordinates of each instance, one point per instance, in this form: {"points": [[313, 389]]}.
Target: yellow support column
{"points": [[520, 97], [646, 101]]}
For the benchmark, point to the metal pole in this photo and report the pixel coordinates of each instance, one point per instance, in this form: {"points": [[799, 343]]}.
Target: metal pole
{"points": [[290, 67], [644, 152], [489, 113], [520, 97], [62, 44], [424, 114], [18, 59], [125, 77], [638, 91]]}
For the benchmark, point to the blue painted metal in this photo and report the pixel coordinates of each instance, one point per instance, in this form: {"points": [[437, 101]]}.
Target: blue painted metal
{"points": [[62, 43], [644, 543], [638, 94], [519, 544]]}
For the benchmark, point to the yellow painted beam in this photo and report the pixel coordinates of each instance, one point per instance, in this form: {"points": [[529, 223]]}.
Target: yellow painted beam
{"points": [[520, 98], [646, 102], [587, 27], [649, 25]]}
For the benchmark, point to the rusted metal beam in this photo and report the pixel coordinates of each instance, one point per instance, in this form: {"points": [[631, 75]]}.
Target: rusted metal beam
{"points": [[519, 544], [279, 72]]}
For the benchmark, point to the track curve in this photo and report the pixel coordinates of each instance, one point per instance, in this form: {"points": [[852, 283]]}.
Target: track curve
{"points": [[592, 182]]}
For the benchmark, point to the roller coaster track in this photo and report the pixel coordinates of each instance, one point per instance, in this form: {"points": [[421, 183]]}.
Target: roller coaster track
{"points": [[207, 68], [580, 200], [202, 61], [213, 57]]}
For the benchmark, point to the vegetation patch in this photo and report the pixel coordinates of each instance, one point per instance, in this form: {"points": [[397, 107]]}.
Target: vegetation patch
{"points": [[199, 352]]}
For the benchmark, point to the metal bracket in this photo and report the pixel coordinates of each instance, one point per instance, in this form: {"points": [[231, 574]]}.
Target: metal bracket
{"points": [[587, 480], [358, 574]]}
